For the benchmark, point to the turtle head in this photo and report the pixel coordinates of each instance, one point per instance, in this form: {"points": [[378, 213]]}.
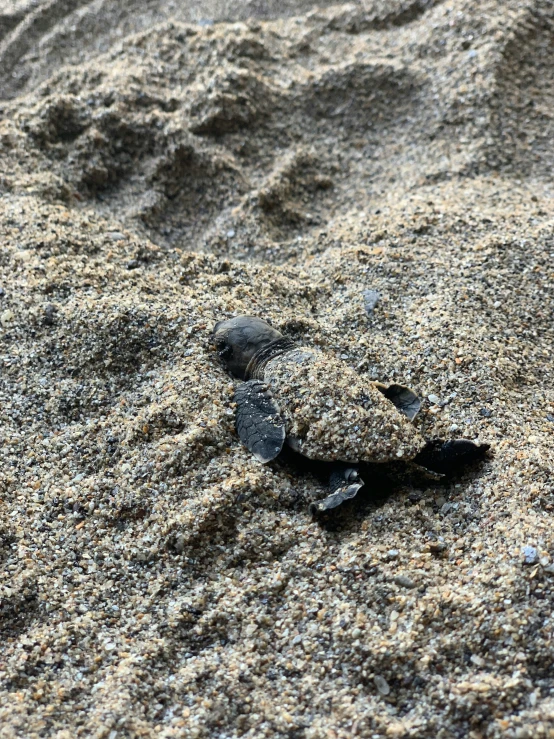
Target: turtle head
{"points": [[238, 339]]}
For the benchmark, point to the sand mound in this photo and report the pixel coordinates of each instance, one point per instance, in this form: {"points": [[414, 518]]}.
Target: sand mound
{"points": [[162, 168]]}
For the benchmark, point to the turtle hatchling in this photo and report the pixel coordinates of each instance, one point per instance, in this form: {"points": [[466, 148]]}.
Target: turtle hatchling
{"points": [[324, 410]]}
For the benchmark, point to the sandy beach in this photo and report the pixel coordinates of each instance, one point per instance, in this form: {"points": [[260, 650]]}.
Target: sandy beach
{"points": [[167, 165]]}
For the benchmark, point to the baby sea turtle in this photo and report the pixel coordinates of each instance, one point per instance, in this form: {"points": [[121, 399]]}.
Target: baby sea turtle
{"points": [[324, 410]]}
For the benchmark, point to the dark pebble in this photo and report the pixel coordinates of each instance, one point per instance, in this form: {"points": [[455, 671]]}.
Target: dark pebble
{"points": [[49, 314]]}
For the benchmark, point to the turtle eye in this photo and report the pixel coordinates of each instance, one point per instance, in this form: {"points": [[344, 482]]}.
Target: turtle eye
{"points": [[224, 351]]}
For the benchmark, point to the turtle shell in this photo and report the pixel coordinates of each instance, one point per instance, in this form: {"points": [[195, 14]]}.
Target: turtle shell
{"points": [[331, 413]]}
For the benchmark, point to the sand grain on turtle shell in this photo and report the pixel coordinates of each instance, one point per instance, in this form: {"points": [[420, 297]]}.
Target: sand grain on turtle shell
{"points": [[333, 414]]}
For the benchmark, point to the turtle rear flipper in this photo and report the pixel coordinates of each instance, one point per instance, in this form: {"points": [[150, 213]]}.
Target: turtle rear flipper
{"points": [[402, 397], [258, 420], [344, 485], [447, 456]]}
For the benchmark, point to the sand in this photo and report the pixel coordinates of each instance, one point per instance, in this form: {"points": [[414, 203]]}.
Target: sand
{"points": [[164, 166]]}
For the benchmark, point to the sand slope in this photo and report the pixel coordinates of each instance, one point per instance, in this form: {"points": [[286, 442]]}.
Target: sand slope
{"points": [[162, 168]]}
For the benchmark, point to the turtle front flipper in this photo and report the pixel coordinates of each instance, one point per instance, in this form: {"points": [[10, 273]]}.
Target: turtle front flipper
{"points": [[344, 484], [402, 397], [258, 420], [447, 456]]}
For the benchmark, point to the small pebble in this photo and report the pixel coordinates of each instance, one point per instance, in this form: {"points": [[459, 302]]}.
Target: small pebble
{"points": [[371, 298], [531, 555], [434, 399], [49, 314], [436, 547], [381, 684], [6, 317], [404, 581]]}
